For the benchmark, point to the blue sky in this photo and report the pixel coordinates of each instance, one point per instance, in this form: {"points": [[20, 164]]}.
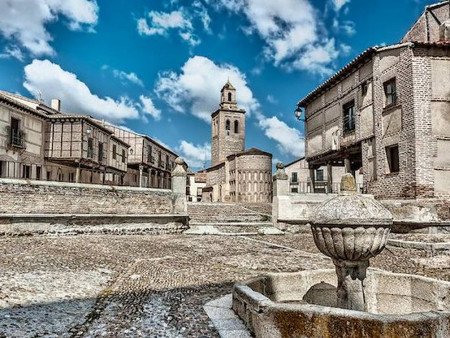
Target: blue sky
{"points": [[157, 66]]}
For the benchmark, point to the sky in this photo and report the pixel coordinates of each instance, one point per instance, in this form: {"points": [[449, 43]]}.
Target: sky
{"points": [[157, 66]]}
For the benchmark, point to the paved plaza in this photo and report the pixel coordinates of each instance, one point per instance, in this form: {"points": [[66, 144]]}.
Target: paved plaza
{"points": [[147, 285]]}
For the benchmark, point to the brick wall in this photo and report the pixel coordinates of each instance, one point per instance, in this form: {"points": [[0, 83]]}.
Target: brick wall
{"points": [[401, 184], [36, 197]]}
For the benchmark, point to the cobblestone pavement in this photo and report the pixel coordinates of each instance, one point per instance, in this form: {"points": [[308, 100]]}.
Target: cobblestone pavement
{"points": [[145, 286]]}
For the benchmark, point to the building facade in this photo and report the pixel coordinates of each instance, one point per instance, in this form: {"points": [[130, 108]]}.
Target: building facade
{"points": [[387, 112], [149, 163], [303, 179], [236, 174], [40, 142], [195, 184]]}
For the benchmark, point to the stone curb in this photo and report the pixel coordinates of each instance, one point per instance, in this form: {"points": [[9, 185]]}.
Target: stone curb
{"points": [[427, 246], [226, 322]]}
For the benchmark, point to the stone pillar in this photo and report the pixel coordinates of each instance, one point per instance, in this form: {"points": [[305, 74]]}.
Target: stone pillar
{"points": [[280, 193], [149, 183], [141, 169], [347, 166], [280, 181], [329, 178], [78, 175], [179, 176], [312, 177]]}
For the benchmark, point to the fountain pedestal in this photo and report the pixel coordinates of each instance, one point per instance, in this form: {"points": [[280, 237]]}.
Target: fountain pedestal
{"points": [[350, 289]]}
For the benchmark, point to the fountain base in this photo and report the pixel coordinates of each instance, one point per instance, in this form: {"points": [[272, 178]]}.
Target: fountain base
{"points": [[305, 304]]}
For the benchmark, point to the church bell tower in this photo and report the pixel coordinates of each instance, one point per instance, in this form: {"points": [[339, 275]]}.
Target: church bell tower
{"points": [[227, 126]]}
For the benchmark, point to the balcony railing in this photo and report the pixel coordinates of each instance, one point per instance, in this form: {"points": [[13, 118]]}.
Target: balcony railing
{"points": [[320, 187], [17, 138]]}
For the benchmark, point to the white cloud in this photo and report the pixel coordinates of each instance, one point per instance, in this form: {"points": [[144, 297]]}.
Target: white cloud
{"points": [[271, 99], [338, 4], [196, 88], [24, 21], [148, 107], [131, 77], [316, 58], [290, 29], [12, 52], [196, 156], [289, 139], [49, 80], [161, 23]]}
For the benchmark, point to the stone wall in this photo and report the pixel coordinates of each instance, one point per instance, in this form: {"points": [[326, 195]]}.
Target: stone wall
{"points": [[39, 197]]}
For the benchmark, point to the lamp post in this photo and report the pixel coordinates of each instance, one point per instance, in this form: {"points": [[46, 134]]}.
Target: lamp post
{"points": [[299, 114]]}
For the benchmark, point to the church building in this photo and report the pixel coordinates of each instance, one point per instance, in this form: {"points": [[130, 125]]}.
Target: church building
{"points": [[236, 174]]}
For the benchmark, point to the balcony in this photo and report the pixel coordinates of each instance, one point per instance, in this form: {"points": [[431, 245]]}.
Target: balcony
{"points": [[16, 138]]}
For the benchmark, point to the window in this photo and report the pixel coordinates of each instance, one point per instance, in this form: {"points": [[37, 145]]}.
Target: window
{"points": [[364, 88], [167, 162], [123, 155], [230, 97], [2, 168], [393, 159], [236, 127], [90, 149], [16, 137], [349, 116], [49, 175], [294, 178], [38, 173], [319, 174], [114, 152], [390, 92], [100, 151], [228, 125], [159, 158], [71, 177], [295, 190], [149, 154]]}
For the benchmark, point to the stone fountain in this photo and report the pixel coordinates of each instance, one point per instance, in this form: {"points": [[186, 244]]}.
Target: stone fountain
{"points": [[352, 300], [351, 228]]}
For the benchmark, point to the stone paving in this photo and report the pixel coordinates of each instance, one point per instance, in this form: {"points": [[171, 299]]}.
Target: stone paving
{"points": [[146, 285]]}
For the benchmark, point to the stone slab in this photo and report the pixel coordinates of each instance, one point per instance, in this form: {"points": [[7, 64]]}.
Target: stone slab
{"points": [[226, 322]]}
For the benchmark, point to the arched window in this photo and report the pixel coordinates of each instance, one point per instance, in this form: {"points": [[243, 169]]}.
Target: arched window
{"points": [[229, 97], [227, 125], [236, 126]]}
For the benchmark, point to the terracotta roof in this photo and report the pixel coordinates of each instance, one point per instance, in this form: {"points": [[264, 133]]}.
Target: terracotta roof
{"points": [[7, 99], [251, 151], [295, 161]]}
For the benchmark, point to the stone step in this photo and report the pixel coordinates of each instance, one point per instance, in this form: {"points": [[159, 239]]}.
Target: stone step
{"points": [[228, 231], [242, 224]]}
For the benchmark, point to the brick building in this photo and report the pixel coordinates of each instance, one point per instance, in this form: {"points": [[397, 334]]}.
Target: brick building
{"points": [[387, 113], [40, 142], [236, 174]]}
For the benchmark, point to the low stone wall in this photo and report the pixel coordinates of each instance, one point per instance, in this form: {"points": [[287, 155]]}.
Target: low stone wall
{"points": [[292, 213], [41, 197]]}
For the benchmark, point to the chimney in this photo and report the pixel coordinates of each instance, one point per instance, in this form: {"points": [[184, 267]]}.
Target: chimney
{"points": [[56, 104]]}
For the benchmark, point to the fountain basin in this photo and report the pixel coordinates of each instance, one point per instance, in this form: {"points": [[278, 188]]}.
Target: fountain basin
{"points": [[304, 304]]}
